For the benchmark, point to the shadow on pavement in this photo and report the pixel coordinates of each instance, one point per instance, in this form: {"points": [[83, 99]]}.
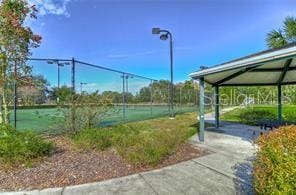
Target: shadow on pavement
{"points": [[243, 177], [245, 132]]}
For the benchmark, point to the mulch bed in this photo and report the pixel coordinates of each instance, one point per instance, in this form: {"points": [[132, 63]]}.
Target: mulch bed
{"points": [[68, 166]]}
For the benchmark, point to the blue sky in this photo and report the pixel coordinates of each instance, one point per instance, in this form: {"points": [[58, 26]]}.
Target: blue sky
{"points": [[117, 34]]}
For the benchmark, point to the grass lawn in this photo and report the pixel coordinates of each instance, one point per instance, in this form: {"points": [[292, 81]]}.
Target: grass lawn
{"points": [[249, 115], [47, 119], [143, 142]]}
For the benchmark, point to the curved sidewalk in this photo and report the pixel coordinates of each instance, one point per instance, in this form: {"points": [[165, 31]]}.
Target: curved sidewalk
{"points": [[227, 170]]}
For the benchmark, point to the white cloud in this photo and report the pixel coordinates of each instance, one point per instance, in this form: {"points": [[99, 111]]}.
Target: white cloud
{"points": [[55, 7]]}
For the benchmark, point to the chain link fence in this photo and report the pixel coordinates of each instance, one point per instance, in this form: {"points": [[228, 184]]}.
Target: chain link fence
{"points": [[42, 95]]}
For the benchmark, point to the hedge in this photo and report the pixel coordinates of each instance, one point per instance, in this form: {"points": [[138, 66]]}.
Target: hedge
{"points": [[275, 164]]}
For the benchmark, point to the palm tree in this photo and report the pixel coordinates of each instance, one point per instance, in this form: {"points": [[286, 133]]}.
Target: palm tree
{"points": [[281, 37]]}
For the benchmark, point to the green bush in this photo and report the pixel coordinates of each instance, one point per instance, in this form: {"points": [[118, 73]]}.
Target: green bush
{"points": [[141, 143], [149, 148], [21, 147], [275, 164], [85, 110], [251, 116], [289, 114], [88, 139]]}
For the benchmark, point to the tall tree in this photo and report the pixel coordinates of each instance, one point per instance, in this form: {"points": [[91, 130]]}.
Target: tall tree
{"points": [[281, 37], [61, 94], [32, 89], [16, 40]]}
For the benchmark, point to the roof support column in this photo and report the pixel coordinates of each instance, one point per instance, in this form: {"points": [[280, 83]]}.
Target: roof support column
{"points": [[201, 109], [217, 105], [280, 111], [281, 79]]}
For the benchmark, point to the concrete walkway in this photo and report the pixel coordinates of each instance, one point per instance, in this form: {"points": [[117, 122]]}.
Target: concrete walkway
{"points": [[234, 151], [227, 170]]}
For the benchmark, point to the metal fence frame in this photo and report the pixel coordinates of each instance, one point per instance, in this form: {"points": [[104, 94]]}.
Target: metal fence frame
{"points": [[73, 63], [158, 96]]}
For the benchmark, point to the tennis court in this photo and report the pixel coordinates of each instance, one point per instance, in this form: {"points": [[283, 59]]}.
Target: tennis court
{"points": [[51, 120], [134, 97]]}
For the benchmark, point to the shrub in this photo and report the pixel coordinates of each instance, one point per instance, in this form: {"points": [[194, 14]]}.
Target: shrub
{"points": [[103, 138], [289, 114], [88, 139], [149, 148], [21, 147], [275, 164], [251, 116], [85, 110], [140, 143]]}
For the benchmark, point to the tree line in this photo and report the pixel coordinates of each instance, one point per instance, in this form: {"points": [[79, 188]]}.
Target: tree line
{"points": [[39, 91]]}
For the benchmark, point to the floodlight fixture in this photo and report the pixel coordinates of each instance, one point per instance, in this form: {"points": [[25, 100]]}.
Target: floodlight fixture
{"points": [[155, 31], [163, 37]]}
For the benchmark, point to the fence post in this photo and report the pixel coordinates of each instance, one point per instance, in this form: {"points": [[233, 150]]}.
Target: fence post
{"points": [[72, 110], [15, 94], [151, 96], [169, 100], [15, 101], [1, 108], [181, 99], [73, 75], [123, 95]]}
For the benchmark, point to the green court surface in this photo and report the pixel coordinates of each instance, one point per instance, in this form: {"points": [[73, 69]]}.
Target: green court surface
{"points": [[50, 120]]}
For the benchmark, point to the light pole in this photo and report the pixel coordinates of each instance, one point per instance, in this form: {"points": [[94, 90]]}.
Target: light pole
{"points": [[81, 84], [123, 95], [59, 64], [164, 35], [126, 78]]}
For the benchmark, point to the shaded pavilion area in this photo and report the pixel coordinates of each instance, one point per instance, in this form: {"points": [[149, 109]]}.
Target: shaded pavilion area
{"points": [[273, 67]]}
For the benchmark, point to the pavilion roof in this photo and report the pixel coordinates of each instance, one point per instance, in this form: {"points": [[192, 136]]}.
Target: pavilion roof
{"points": [[269, 67]]}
